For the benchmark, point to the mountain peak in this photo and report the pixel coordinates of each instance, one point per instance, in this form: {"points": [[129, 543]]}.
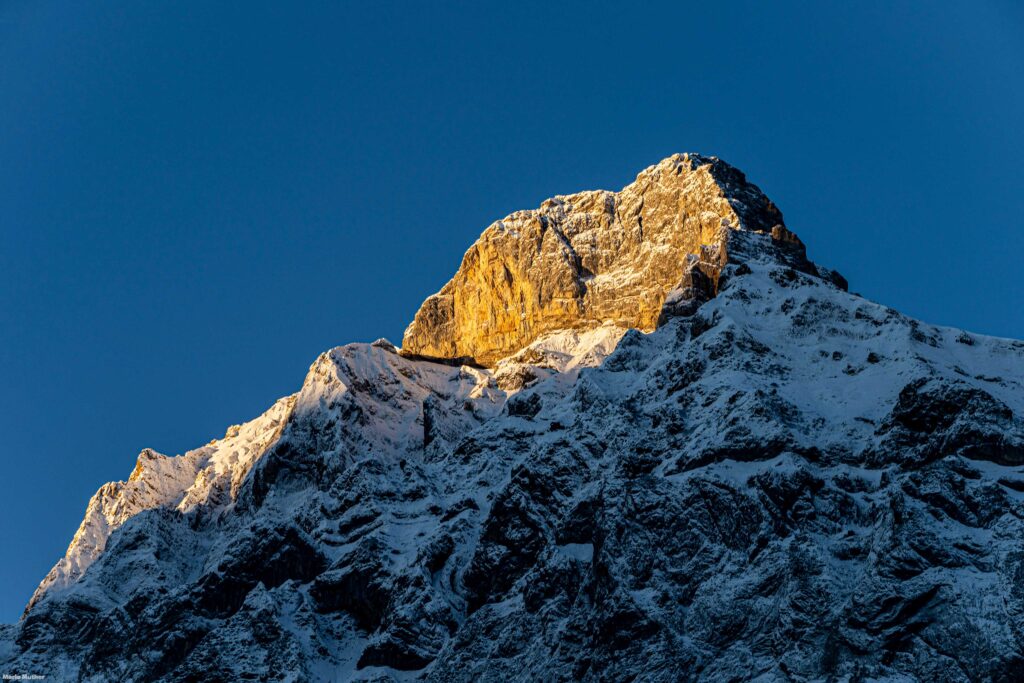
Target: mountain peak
{"points": [[784, 481], [592, 258]]}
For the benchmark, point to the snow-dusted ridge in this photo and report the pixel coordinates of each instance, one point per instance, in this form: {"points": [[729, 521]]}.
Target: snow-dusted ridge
{"points": [[783, 481], [208, 477], [206, 480]]}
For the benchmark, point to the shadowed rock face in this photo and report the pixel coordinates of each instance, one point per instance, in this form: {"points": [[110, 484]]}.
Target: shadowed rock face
{"points": [[589, 258]]}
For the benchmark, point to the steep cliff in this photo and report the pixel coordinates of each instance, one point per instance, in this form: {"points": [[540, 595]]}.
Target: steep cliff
{"points": [[587, 259]]}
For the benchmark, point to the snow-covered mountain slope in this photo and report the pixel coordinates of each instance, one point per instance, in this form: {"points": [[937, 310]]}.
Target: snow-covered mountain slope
{"points": [[783, 481], [209, 477]]}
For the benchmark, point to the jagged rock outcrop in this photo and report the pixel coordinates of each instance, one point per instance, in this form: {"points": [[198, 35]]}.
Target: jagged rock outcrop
{"points": [[783, 481], [583, 260]]}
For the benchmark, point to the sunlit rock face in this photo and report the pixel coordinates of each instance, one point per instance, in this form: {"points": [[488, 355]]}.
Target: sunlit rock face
{"points": [[782, 481], [586, 259]]}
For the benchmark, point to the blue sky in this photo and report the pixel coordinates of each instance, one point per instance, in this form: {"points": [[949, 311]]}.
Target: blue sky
{"points": [[198, 198]]}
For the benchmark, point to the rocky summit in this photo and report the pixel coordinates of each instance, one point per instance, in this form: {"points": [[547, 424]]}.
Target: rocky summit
{"points": [[588, 259], [639, 436]]}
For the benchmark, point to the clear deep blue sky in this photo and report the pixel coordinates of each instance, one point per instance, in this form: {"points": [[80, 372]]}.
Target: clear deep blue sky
{"points": [[198, 198]]}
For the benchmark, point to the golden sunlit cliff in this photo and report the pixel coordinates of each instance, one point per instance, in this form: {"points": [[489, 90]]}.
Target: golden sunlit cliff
{"points": [[586, 259]]}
